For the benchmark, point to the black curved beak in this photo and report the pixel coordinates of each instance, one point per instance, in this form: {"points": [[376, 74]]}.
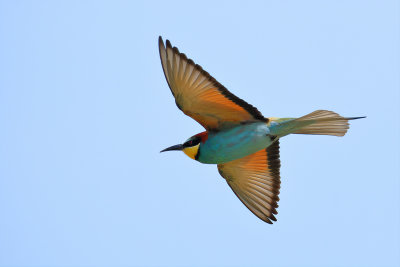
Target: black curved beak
{"points": [[175, 147]]}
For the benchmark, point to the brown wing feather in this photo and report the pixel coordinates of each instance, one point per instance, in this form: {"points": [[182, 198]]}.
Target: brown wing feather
{"points": [[199, 95], [255, 180]]}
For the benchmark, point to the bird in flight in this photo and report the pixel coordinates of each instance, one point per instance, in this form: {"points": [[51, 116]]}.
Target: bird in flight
{"points": [[238, 138]]}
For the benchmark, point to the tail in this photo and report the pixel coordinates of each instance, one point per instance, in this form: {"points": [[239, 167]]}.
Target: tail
{"points": [[322, 122]]}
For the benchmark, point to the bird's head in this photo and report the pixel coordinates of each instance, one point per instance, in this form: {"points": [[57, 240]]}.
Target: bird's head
{"points": [[191, 146]]}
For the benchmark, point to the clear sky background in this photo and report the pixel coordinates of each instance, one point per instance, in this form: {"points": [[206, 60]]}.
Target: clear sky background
{"points": [[85, 110]]}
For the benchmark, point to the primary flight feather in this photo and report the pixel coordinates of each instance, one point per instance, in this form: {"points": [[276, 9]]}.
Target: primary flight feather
{"points": [[238, 138]]}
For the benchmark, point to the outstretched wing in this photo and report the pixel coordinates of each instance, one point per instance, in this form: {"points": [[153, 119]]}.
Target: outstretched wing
{"points": [[199, 95], [255, 179]]}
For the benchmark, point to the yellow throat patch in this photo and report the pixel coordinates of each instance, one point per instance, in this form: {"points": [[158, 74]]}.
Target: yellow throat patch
{"points": [[191, 151]]}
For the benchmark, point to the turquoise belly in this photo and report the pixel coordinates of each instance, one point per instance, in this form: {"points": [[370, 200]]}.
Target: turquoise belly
{"points": [[234, 143]]}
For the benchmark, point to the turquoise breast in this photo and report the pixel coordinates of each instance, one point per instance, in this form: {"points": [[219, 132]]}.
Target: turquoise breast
{"points": [[234, 143]]}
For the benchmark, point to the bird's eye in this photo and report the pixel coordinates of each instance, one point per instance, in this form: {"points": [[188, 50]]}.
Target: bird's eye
{"points": [[188, 143], [192, 142]]}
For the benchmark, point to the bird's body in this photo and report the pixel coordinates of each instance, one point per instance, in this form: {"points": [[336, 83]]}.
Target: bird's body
{"points": [[234, 143], [238, 138]]}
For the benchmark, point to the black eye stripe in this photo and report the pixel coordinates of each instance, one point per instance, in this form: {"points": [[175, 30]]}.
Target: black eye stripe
{"points": [[192, 142]]}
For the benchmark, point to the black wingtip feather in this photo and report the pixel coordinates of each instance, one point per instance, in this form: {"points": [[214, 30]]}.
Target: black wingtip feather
{"points": [[168, 43], [175, 49], [267, 221]]}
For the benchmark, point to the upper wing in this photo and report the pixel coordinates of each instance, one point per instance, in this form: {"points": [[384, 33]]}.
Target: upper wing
{"points": [[255, 180], [199, 95]]}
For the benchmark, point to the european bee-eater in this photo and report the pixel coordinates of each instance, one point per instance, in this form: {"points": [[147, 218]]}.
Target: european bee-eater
{"points": [[238, 138]]}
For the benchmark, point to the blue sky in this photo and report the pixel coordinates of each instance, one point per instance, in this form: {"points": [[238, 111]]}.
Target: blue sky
{"points": [[85, 110]]}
